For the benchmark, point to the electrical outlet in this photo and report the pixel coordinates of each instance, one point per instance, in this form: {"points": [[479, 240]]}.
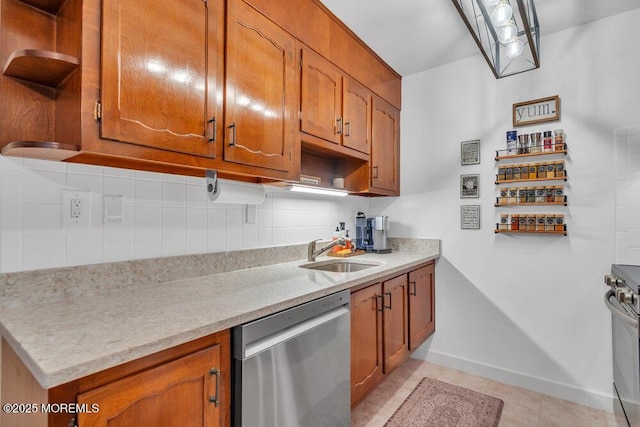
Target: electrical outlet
{"points": [[76, 208]]}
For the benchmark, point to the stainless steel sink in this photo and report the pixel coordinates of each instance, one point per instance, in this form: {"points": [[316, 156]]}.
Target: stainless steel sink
{"points": [[338, 266]]}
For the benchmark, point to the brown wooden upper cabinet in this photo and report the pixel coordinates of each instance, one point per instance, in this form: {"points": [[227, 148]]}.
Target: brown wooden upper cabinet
{"points": [[159, 74], [260, 93], [333, 106], [385, 148]]}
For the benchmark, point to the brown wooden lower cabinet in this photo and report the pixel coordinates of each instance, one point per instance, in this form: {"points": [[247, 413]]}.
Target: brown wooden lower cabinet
{"points": [[188, 385], [389, 320]]}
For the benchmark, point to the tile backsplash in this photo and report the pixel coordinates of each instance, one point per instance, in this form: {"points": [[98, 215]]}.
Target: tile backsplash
{"points": [[627, 167], [163, 215]]}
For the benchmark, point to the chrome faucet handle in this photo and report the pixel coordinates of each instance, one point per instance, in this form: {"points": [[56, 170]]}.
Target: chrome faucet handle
{"points": [[311, 247]]}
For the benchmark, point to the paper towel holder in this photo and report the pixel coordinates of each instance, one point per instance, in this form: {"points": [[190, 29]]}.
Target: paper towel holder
{"points": [[211, 179]]}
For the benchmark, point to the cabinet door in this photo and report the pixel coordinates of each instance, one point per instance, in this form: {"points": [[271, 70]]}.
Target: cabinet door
{"points": [[395, 320], [385, 146], [321, 98], [356, 101], [261, 101], [159, 77], [366, 341], [177, 393], [422, 321]]}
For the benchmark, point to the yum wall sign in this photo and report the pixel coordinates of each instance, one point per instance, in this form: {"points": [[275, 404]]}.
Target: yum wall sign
{"points": [[536, 111]]}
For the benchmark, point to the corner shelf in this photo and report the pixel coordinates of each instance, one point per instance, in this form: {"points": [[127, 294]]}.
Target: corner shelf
{"points": [[42, 67], [500, 156], [556, 232], [50, 6], [40, 150]]}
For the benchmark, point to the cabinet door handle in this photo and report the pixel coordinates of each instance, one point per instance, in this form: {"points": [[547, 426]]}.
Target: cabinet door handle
{"points": [[339, 125], [375, 171], [215, 399], [380, 305], [415, 288], [389, 306], [213, 135], [348, 129], [232, 126]]}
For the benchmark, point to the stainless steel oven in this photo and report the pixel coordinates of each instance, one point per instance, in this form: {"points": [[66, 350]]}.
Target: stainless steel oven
{"points": [[624, 303]]}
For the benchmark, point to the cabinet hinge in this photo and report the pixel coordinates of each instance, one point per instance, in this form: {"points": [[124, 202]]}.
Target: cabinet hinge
{"points": [[97, 111]]}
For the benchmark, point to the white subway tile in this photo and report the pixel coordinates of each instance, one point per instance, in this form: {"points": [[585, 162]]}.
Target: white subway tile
{"points": [[147, 176], [173, 231], [42, 249], [178, 179], [173, 194], [194, 180], [45, 165], [233, 217], [633, 237], [147, 193], [196, 231], [147, 244], [216, 240], [117, 244], [83, 247], [196, 196], [265, 237], [233, 239], [11, 166], [42, 186], [41, 216], [622, 246], [84, 169], [78, 181], [10, 250], [634, 256], [265, 218], [118, 172], [119, 186], [216, 218], [279, 236], [250, 238]]}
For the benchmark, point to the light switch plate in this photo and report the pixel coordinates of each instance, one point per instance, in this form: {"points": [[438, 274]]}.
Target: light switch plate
{"points": [[112, 213], [76, 208]]}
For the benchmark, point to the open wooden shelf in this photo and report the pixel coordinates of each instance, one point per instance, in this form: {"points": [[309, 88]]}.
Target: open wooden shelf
{"points": [[500, 154], [42, 67], [40, 150], [561, 232]]}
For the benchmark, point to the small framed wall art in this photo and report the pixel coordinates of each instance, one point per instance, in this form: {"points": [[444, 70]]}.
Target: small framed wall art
{"points": [[470, 152], [470, 217], [469, 186], [536, 111]]}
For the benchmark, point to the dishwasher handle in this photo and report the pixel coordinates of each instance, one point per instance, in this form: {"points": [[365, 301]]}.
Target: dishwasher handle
{"points": [[258, 346]]}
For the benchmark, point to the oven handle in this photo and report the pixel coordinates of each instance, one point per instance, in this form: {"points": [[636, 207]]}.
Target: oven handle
{"points": [[614, 310]]}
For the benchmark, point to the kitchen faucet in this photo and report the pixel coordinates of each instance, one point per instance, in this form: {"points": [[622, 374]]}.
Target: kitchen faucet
{"points": [[311, 254]]}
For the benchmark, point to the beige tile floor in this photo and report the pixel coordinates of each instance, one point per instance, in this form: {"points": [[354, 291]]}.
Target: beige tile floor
{"points": [[522, 408]]}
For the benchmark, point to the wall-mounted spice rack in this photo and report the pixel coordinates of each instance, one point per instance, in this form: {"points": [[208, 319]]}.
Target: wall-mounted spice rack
{"points": [[532, 172], [509, 154], [529, 196], [542, 223]]}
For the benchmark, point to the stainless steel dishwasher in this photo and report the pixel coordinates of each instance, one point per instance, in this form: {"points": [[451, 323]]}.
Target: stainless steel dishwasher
{"points": [[292, 368]]}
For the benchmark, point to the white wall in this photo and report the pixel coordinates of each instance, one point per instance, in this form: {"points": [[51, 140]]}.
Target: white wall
{"points": [[524, 309], [164, 215]]}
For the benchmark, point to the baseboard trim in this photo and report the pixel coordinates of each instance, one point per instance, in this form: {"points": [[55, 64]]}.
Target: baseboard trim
{"points": [[518, 379]]}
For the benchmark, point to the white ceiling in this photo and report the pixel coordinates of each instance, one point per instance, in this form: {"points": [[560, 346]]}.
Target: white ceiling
{"points": [[415, 35]]}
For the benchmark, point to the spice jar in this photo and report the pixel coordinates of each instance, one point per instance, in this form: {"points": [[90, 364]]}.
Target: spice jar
{"points": [[522, 222], [508, 174], [523, 144], [504, 191], [558, 140], [549, 224], [513, 195], [531, 194], [533, 171], [504, 222], [536, 143], [515, 222], [558, 191], [551, 172], [516, 172], [501, 173], [547, 142], [531, 222], [542, 170], [524, 171], [522, 195], [559, 167], [549, 196], [559, 222], [540, 195], [540, 222]]}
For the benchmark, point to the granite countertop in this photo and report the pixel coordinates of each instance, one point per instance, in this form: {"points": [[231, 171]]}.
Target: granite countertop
{"points": [[67, 338]]}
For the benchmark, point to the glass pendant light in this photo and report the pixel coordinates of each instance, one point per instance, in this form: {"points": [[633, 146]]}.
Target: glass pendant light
{"points": [[514, 48], [501, 14], [507, 32]]}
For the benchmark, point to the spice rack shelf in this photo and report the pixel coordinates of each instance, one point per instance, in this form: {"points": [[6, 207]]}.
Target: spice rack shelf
{"points": [[502, 204], [42, 67], [507, 181], [503, 154], [557, 232]]}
